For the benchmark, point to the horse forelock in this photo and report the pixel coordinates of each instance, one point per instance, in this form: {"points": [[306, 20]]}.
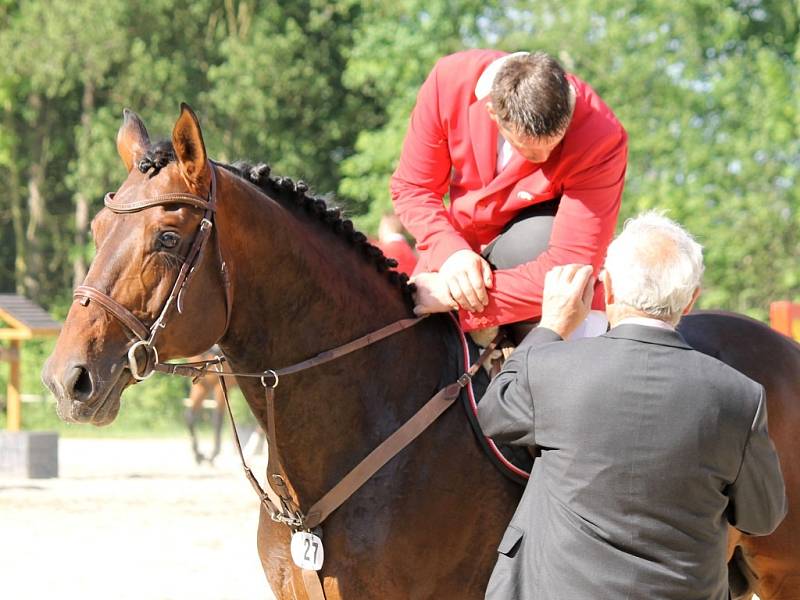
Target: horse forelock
{"points": [[157, 156]]}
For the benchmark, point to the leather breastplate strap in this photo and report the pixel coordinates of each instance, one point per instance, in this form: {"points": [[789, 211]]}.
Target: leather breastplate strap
{"points": [[277, 494]]}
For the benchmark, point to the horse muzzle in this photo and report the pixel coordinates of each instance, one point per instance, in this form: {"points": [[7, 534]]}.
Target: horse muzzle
{"points": [[84, 393]]}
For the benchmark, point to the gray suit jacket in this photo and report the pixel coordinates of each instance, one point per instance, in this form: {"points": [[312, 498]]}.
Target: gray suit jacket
{"points": [[649, 450]]}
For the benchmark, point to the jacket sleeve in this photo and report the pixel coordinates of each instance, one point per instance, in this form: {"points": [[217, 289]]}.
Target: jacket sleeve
{"points": [[758, 502], [506, 411], [582, 231], [422, 178]]}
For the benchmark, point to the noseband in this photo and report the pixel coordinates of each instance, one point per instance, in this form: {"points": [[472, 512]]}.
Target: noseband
{"points": [[144, 336]]}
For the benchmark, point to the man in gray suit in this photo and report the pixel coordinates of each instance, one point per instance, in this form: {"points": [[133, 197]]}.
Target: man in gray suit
{"points": [[649, 449]]}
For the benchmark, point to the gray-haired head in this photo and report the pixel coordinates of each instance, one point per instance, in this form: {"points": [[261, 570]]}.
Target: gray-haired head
{"points": [[655, 267]]}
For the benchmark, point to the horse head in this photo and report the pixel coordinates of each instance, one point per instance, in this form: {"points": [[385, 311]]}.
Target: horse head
{"points": [[143, 240]]}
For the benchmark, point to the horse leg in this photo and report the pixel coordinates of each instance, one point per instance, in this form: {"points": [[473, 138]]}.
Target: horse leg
{"points": [[196, 395], [273, 550], [772, 572]]}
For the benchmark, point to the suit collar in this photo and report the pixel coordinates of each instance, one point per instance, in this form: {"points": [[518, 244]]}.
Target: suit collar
{"points": [[649, 335], [483, 134]]}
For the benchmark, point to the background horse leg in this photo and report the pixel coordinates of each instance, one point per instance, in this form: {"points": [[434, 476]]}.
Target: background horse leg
{"points": [[196, 396], [216, 419]]}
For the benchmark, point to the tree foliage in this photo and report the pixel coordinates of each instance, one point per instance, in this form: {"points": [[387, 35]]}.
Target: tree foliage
{"points": [[322, 90]]}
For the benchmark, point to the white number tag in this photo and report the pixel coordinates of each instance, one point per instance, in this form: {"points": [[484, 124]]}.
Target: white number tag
{"points": [[307, 551]]}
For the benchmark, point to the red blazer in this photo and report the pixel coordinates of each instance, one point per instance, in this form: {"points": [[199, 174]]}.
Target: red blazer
{"points": [[451, 148]]}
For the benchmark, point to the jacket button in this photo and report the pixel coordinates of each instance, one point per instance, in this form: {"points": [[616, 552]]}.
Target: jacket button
{"points": [[524, 195]]}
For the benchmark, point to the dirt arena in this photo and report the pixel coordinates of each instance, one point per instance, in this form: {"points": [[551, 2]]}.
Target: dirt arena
{"points": [[132, 519]]}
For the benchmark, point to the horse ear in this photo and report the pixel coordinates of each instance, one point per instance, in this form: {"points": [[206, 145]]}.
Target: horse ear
{"points": [[187, 139], [132, 139]]}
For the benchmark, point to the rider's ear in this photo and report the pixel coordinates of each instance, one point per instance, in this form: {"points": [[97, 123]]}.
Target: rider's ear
{"points": [[132, 139], [187, 139]]}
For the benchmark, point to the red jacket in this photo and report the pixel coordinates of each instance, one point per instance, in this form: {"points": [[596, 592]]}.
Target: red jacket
{"points": [[451, 147]]}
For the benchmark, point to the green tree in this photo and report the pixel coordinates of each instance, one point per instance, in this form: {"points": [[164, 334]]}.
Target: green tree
{"points": [[278, 96], [705, 88], [394, 50]]}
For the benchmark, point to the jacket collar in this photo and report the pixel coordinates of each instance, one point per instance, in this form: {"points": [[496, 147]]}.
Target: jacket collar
{"points": [[648, 335], [483, 134]]}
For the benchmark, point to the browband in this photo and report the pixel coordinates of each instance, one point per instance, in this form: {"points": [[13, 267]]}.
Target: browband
{"points": [[161, 199]]}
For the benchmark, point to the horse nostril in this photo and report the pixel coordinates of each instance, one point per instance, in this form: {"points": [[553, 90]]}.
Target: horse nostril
{"points": [[79, 383]]}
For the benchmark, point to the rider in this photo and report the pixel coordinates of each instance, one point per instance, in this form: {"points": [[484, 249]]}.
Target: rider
{"points": [[533, 162]]}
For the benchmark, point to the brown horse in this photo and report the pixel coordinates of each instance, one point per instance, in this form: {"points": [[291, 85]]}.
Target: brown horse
{"points": [[770, 565], [301, 281]]}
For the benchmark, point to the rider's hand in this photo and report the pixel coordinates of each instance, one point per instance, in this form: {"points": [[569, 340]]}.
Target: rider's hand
{"points": [[567, 298], [432, 295], [467, 275]]}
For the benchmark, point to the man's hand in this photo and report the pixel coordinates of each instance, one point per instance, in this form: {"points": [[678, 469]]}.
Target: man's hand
{"points": [[432, 295], [567, 298], [467, 276]]}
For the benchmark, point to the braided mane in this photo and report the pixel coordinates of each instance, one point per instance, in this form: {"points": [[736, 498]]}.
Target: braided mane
{"points": [[294, 195]]}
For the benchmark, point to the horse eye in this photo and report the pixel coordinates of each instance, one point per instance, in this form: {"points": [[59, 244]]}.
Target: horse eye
{"points": [[168, 239]]}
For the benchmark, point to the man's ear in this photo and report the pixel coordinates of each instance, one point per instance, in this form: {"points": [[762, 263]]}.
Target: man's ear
{"points": [[132, 139], [190, 151], [608, 291], [491, 111], [695, 296]]}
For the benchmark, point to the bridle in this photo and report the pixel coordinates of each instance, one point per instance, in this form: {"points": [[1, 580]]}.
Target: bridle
{"points": [[145, 337], [276, 499]]}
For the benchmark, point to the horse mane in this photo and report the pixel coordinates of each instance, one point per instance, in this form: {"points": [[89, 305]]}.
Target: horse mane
{"points": [[295, 196]]}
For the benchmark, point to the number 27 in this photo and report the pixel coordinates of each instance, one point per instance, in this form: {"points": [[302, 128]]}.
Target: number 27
{"points": [[308, 544]]}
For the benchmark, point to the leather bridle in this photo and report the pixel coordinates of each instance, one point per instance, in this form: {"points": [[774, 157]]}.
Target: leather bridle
{"points": [[145, 337], [276, 499]]}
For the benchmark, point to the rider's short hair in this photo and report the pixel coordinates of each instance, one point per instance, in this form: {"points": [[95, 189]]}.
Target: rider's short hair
{"points": [[655, 266], [531, 96]]}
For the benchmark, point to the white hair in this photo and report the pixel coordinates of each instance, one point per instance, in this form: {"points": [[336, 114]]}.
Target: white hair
{"points": [[655, 266]]}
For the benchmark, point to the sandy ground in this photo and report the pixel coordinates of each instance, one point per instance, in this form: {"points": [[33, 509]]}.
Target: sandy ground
{"points": [[132, 519]]}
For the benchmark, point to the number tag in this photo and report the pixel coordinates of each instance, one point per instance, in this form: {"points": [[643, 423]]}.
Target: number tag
{"points": [[307, 551]]}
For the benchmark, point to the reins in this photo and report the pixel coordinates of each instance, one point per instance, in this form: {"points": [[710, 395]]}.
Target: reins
{"points": [[275, 498]]}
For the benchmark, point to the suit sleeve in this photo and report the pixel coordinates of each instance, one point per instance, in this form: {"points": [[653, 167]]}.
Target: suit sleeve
{"points": [[422, 178], [506, 412], [757, 498], [582, 230]]}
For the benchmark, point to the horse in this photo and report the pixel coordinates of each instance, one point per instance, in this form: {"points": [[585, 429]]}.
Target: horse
{"points": [[770, 565], [282, 278]]}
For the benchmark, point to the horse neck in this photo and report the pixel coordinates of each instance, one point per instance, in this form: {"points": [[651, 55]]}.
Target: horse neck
{"points": [[300, 289]]}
